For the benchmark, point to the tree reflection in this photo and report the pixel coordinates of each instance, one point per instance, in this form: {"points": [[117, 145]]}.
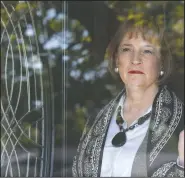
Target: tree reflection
{"points": [[45, 49]]}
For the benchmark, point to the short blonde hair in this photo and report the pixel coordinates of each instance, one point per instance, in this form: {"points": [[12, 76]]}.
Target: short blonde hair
{"points": [[149, 32]]}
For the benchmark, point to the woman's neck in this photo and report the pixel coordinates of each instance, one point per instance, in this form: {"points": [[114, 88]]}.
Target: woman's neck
{"points": [[139, 98]]}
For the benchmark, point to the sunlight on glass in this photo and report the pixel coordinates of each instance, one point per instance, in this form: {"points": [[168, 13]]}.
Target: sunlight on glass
{"points": [[29, 31], [37, 103], [85, 52], [54, 43], [179, 26], [69, 37], [41, 38], [75, 74], [80, 60], [90, 75], [65, 58], [74, 63], [33, 62], [61, 16], [77, 47], [39, 13], [85, 33], [51, 13]]}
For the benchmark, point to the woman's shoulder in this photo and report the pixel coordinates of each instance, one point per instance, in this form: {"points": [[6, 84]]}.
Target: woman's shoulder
{"points": [[175, 106], [174, 94]]}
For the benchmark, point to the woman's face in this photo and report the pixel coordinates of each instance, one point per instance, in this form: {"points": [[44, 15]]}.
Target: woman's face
{"points": [[138, 62]]}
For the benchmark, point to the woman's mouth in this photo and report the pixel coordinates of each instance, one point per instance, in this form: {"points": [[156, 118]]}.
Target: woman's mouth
{"points": [[135, 72]]}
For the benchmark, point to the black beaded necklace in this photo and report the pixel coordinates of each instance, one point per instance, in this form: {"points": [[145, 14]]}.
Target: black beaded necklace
{"points": [[120, 138]]}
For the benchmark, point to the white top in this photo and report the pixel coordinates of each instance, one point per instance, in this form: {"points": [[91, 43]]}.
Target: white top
{"points": [[117, 161]]}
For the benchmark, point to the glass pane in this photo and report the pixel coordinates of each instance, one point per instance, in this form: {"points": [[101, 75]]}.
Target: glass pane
{"points": [[54, 74], [32, 46]]}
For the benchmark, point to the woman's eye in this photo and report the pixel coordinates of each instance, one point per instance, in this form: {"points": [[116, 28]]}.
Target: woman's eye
{"points": [[125, 49], [148, 52]]}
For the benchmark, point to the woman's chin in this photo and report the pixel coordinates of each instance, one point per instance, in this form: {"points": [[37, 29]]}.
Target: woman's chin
{"points": [[136, 83], [139, 85]]}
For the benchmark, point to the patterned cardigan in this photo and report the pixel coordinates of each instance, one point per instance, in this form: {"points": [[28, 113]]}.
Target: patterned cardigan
{"points": [[160, 146]]}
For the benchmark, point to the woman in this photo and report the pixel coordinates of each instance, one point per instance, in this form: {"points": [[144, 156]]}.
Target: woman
{"points": [[140, 132]]}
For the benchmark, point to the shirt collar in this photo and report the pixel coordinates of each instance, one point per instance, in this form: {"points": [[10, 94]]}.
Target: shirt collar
{"points": [[121, 103]]}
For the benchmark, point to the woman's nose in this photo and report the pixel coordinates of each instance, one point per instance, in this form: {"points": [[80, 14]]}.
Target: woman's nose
{"points": [[136, 59]]}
